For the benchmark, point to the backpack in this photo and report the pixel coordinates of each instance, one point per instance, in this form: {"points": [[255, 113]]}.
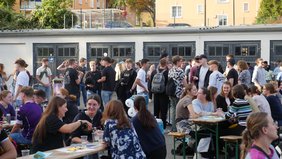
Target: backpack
{"points": [[32, 80], [158, 82], [170, 87]]}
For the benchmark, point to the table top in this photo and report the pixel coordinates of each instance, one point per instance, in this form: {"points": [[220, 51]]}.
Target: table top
{"points": [[208, 119], [70, 153]]}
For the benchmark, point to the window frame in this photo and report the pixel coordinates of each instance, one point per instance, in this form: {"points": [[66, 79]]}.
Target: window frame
{"points": [[219, 18], [199, 11], [176, 11], [248, 8]]}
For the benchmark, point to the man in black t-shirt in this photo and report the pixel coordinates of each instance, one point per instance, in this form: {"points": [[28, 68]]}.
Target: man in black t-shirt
{"points": [[232, 75], [72, 79], [107, 80]]}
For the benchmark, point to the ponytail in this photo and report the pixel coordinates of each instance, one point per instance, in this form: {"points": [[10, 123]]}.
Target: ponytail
{"points": [[145, 117], [246, 143]]}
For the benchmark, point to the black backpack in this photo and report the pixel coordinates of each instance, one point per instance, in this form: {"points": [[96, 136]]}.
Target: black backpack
{"points": [[170, 87], [158, 82]]}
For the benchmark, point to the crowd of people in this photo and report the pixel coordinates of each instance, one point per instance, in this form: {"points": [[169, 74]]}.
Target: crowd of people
{"points": [[47, 119]]}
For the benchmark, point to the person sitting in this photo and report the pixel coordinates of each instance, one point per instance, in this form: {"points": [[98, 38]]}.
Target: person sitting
{"points": [[40, 98], [92, 114], [261, 130], [260, 99], [225, 98], [119, 133], [7, 149], [6, 99], [274, 102], [49, 132], [27, 118], [151, 139]]}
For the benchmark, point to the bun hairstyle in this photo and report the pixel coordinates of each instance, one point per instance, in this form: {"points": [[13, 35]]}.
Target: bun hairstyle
{"points": [[21, 62]]}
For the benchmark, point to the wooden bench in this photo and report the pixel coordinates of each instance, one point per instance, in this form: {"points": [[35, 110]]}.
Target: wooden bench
{"points": [[230, 140], [178, 136]]}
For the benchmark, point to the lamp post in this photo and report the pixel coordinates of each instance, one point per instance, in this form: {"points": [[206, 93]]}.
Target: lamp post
{"points": [[80, 3]]}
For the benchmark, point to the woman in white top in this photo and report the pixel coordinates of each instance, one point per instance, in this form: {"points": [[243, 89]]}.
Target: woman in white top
{"points": [[260, 99]]}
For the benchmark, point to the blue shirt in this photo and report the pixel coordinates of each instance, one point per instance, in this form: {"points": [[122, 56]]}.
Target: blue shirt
{"points": [[150, 138]]}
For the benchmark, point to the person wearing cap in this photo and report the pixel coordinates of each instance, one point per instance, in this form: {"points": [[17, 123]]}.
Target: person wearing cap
{"points": [[22, 79], [43, 77], [232, 75], [203, 73], [216, 78], [107, 80]]}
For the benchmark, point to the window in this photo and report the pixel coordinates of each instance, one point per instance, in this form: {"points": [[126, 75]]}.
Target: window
{"points": [[222, 1], [278, 49], [80, 2], [98, 4], [92, 4], [222, 20], [176, 12], [246, 7], [200, 9]]}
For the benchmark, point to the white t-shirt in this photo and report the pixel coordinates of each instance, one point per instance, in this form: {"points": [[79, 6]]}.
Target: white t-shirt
{"points": [[202, 75], [262, 103], [141, 75], [45, 76], [216, 79], [23, 80]]}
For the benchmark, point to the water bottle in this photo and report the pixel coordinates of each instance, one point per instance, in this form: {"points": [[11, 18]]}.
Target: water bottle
{"points": [[8, 118], [161, 125]]}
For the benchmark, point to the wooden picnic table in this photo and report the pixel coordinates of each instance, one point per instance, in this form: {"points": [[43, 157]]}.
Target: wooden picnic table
{"points": [[64, 153]]}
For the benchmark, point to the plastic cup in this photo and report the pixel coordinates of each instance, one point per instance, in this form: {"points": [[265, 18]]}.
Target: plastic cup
{"points": [[83, 139], [25, 152]]}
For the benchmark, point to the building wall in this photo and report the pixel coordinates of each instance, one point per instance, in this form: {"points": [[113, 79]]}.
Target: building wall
{"points": [[190, 12]]}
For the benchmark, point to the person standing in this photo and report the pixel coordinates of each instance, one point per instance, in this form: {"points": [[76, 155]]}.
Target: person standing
{"points": [[125, 83], [216, 78], [141, 81], [72, 79], [258, 77], [232, 75], [22, 80], [107, 80], [27, 118], [82, 68], [43, 76], [91, 80], [244, 74], [178, 76], [160, 98], [203, 73]]}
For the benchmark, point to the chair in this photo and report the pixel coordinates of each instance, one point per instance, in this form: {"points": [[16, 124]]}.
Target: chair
{"points": [[231, 140], [177, 136]]}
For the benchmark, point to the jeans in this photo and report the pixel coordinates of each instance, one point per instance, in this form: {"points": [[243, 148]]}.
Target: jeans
{"points": [[90, 93], [19, 139], [83, 92], [47, 90], [106, 96], [173, 103]]}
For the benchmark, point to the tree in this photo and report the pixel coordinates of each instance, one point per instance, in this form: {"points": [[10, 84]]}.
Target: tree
{"points": [[270, 11], [51, 14], [8, 3], [143, 6]]}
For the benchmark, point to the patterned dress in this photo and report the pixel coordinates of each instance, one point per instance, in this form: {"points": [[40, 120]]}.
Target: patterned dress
{"points": [[178, 75], [123, 143]]}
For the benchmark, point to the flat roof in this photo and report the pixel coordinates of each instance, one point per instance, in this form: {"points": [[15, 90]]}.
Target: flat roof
{"points": [[140, 30]]}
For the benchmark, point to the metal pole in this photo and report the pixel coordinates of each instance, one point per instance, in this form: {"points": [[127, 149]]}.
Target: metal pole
{"points": [[84, 20], [64, 21], [205, 15], [72, 20], [233, 12], [81, 16], [90, 20]]}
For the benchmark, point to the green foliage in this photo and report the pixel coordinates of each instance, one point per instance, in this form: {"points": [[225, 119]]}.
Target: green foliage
{"points": [[51, 14], [270, 11], [143, 6], [8, 3]]}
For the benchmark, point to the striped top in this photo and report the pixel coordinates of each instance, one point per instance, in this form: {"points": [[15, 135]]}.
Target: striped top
{"points": [[240, 108]]}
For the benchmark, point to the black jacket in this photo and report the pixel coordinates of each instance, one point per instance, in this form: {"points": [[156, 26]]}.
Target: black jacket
{"points": [[206, 81]]}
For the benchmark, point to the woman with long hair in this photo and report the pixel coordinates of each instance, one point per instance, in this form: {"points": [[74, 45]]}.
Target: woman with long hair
{"points": [[71, 105], [225, 98], [151, 139], [3, 78], [49, 131], [119, 136], [261, 130], [92, 114], [6, 99]]}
